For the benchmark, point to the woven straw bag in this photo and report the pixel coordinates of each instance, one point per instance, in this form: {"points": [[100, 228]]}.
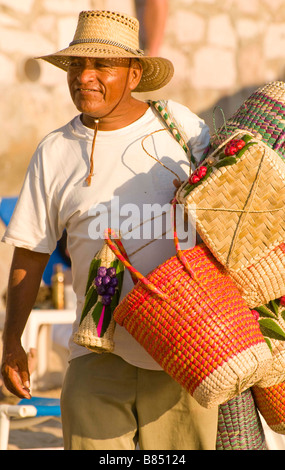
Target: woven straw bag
{"points": [[97, 325], [239, 425], [240, 212], [239, 203], [189, 316], [271, 404]]}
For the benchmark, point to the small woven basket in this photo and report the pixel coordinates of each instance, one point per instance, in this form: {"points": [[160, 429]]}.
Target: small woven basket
{"points": [[189, 316], [271, 404], [263, 114], [97, 325], [240, 210], [240, 216], [239, 425]]}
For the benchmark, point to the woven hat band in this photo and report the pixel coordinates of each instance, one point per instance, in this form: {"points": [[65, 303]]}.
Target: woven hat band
{"points": [[110, 43]]}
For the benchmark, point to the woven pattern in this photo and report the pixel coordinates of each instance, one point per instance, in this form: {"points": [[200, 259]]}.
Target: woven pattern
{"points": [[263, 113], [271, 404], [97, 325], [264, 280], [239, 425], [198, 329], [240, 210], [163, 111]]}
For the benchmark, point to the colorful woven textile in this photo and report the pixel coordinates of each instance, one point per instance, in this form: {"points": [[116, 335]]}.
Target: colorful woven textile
{"points": [[191, 319], [97, 325], [239, 425], [263, 114], [271, 404]]}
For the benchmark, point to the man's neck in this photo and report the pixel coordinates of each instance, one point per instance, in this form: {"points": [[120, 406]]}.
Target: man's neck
{"points": [[119, 118]]}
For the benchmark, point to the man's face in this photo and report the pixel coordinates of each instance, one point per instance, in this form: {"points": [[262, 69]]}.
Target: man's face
{"points": [[98, 85]]}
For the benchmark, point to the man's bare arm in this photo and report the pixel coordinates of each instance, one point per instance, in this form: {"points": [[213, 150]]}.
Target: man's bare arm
{"points": [[24, 281]]}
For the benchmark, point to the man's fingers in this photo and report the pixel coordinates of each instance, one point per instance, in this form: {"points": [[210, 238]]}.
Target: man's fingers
{"points": [[17, 384]]}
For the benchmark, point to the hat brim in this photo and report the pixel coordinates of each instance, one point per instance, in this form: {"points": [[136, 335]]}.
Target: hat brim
{"points": [[157, 71]]}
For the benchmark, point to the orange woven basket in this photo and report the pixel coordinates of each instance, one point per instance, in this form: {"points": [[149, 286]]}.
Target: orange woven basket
{"points": [[190, 317], [271, 404]]}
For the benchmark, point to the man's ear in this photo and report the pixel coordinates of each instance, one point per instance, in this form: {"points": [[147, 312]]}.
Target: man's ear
{"points": [[135, 75]]}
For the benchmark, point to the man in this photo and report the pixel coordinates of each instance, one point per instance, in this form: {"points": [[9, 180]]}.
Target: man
{"points": [[113, 400]]}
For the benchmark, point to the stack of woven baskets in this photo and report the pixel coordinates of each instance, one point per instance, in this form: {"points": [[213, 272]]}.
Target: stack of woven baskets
{"points": [[239, 205], [193, 313], [240, 202]]}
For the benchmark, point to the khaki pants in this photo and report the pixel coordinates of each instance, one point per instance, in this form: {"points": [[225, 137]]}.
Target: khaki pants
{"points": [[108, 404]]}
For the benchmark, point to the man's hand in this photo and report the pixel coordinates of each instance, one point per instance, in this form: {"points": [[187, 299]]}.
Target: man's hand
{"points": [[15, 372]]}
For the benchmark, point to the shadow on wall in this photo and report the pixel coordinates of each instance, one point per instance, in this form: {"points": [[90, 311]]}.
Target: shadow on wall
{"points": [[229, 104]]}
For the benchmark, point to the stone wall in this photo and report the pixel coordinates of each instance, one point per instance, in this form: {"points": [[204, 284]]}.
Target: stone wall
{"points": [[224, 49], [221, 49]]}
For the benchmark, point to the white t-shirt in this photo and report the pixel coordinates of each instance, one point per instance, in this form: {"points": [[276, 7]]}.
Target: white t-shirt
{"points": [[127, 182]]}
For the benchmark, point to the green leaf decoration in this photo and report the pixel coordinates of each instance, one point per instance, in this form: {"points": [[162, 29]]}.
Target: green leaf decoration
{"points": [[95, 263], [96, 314], [244, 149], [90, 300], [226, 162], [274, 306], [246, 138], [120, 268], [264, 311], [268, 342], [270, 328], [283, 314]]}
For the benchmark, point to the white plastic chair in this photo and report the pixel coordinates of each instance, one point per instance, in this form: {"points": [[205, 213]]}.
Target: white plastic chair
{"points": [[27, 413], [37, 334]]}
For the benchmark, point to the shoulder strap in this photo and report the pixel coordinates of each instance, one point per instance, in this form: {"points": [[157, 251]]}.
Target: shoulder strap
{"points": [[161, 107]]}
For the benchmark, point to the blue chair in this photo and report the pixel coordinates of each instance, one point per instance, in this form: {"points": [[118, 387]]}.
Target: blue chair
{"points": [[7, 206], [25, 414]]}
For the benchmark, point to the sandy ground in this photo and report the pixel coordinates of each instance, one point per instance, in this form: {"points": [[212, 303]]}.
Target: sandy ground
{"points": [[44, 436]]}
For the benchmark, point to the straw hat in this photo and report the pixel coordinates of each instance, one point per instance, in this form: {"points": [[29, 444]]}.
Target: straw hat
{"points": [[110, 34]]}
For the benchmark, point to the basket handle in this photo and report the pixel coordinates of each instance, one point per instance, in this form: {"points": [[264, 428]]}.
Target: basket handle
{"points": [[118, 249], [179, 252]]}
